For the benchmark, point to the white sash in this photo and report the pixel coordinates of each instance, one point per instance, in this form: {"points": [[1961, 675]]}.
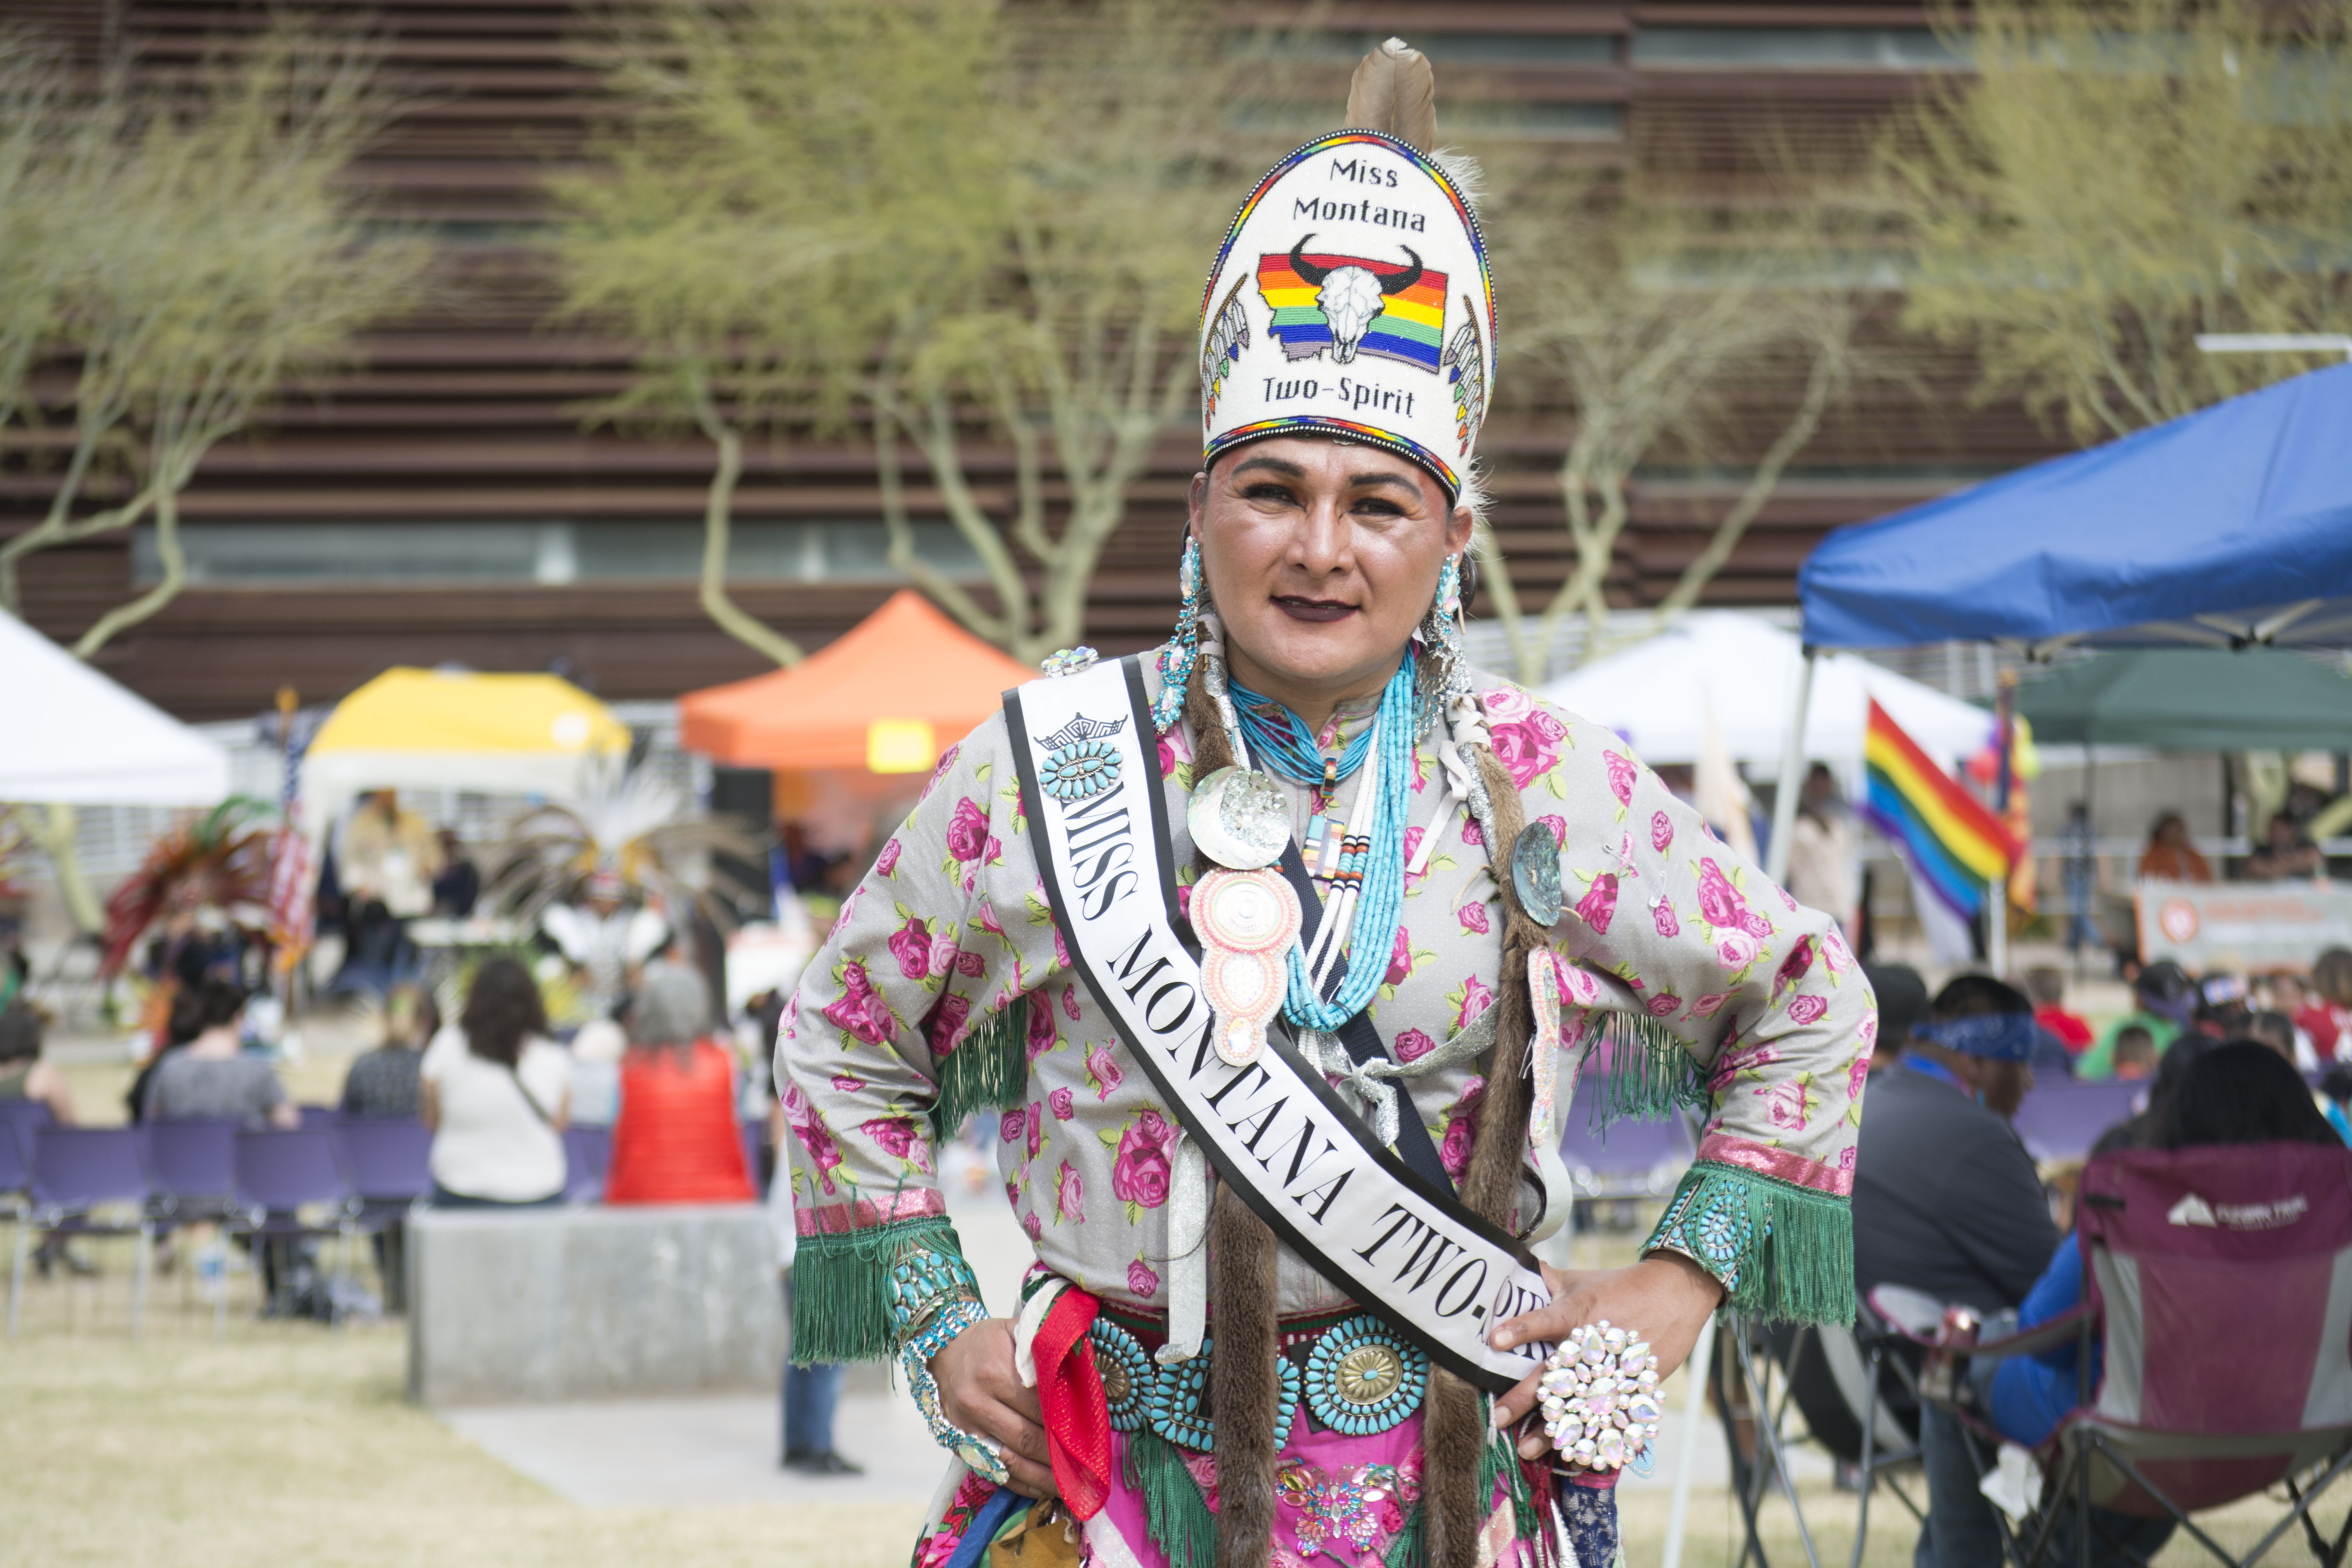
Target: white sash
{"points": [[1433, 1271]]}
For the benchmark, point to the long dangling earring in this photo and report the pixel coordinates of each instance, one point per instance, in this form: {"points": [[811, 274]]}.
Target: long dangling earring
{"points": [[1441, 637], [1176, 659]]}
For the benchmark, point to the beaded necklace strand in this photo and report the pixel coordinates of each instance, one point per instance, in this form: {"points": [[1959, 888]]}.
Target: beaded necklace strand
{"points": [[1279, 741], [1372, 901]]}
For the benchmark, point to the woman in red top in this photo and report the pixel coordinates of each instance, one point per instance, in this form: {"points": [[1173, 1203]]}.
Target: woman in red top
{"points": [[677, 1141]]}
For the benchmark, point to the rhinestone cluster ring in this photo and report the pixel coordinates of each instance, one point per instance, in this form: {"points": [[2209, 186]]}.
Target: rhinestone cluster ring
{"points": [[1600, 1397]]}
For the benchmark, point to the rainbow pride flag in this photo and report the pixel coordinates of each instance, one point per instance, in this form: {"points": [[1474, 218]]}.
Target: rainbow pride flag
{"points": [[1411, 326], [1956, 846]]}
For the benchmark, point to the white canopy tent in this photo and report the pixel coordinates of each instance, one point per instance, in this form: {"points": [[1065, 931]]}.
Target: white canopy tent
{"points": [[76, 738], [1742, 675]]}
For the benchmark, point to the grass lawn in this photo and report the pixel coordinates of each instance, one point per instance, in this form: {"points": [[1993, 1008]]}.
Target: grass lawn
{"points": [[290, 1444]]}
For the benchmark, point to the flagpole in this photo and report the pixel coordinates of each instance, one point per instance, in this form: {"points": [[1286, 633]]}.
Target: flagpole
{"points": [[1792, 782], [288, 704]]}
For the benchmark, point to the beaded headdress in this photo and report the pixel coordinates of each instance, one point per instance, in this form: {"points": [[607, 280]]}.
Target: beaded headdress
{"points": [[1351, 297]]}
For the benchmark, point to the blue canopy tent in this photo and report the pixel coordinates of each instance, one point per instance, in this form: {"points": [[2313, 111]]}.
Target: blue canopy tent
{"points": [[2224, 528], [2231, 527]]}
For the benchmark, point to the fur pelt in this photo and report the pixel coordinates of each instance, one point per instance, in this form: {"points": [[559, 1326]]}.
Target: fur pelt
{"points": [[1244, 1389], [1454, 1424]]}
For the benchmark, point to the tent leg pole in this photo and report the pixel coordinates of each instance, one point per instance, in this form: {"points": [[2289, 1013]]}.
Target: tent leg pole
{"points": [[1792, 774]]}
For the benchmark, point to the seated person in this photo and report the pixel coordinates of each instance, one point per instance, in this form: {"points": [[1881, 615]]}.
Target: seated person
{"points": [[1901, 1003], [1945, 1200], [2138, 1131], [2047, 984], [2163, 998], [382, 1082], [2314, 1031], [2169, 857], [2134, 1056], [2330, 1008], [597, 1052], [2285, 853], [2336, 1089], [677, 1141], [210, 1075], [23, 1074], [2240, 1092], [2277, 1031], [494, 1090]]}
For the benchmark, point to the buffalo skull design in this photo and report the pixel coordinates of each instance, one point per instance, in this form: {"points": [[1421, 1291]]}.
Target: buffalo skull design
{"points": [[1349, 297]]}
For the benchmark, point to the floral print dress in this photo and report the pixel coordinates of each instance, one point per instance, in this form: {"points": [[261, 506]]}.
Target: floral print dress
{"points": [[1687, 974]]}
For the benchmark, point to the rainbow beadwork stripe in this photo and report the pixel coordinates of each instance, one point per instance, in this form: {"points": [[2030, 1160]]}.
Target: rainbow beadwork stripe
{"points": [[1368, 435]]}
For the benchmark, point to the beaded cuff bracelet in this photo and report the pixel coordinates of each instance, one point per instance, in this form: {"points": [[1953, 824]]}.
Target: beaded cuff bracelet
{"points": [[934, 1296], [980, 1453]]}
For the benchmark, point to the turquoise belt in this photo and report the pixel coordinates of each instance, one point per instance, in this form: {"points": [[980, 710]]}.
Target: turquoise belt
{"points": [[1351, 1373]]}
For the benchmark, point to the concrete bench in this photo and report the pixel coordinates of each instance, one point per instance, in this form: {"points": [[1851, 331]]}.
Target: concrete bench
{"points": [[591, 1303]]}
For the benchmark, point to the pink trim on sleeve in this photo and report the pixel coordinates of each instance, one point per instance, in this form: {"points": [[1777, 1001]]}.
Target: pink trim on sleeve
{"points": [[840, 1219], [1722, 1149]]}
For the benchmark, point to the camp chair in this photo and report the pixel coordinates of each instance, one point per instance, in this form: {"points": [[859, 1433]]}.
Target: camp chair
{"points": [[2220, 1287]]}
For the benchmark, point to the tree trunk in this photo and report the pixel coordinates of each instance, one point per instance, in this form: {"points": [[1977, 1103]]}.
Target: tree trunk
{"points": [[718, 528]]}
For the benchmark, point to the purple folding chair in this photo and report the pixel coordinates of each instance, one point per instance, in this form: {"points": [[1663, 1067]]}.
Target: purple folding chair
{"points": [[75, 1171], [587, 1157], [1629, 1159], [16, 1173], [191, 1168], [2061, 1120], [19, 1119], [387, 1160], [280, 1172], [319, 1115]]}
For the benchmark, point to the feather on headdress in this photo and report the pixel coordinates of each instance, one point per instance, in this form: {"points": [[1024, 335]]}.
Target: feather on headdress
{"points": [[1393, 91]]}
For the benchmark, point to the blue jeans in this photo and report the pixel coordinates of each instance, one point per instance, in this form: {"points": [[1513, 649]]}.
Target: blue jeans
{"points": [[1961, 1532], [810, 1396]]}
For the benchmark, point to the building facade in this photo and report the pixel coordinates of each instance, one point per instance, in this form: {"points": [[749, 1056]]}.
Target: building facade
{"points": [[446, 500]]}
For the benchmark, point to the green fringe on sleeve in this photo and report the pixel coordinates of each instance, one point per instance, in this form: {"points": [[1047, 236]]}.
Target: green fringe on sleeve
{"points": [[841, 1288], [1651, 1072], [1785, 1253], [990, 1071]]}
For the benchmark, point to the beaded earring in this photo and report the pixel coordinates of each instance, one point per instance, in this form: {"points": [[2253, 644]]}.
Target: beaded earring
{"points": [[1177, 658], [1441, 639]]}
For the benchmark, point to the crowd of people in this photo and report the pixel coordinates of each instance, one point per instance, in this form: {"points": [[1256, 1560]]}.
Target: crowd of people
{"points": [[498, 1088], [1947, 1201], [2282, 851]]}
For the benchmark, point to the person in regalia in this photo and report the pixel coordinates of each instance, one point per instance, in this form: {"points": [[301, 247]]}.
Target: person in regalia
{"points": [[1388, 891]]}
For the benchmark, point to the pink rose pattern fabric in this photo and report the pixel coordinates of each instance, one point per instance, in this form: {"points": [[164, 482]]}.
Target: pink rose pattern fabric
{"points": [[1666, 924]]}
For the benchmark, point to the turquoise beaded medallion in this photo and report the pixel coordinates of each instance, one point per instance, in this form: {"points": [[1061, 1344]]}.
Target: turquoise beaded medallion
{"points": [[1179, 1405], [1129, 1380], [1363, 1377], [1080, 764]]}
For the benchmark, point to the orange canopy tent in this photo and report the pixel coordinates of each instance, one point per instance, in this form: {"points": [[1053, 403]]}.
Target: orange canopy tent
{"points": [[886, 696]]}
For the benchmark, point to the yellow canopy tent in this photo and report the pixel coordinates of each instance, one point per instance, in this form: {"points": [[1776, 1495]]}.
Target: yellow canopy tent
{"points": [[429, 729]]}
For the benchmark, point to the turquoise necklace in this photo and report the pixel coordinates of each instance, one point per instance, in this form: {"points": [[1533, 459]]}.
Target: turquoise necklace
{"points": [[1280, 743], [1372, 877]]}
